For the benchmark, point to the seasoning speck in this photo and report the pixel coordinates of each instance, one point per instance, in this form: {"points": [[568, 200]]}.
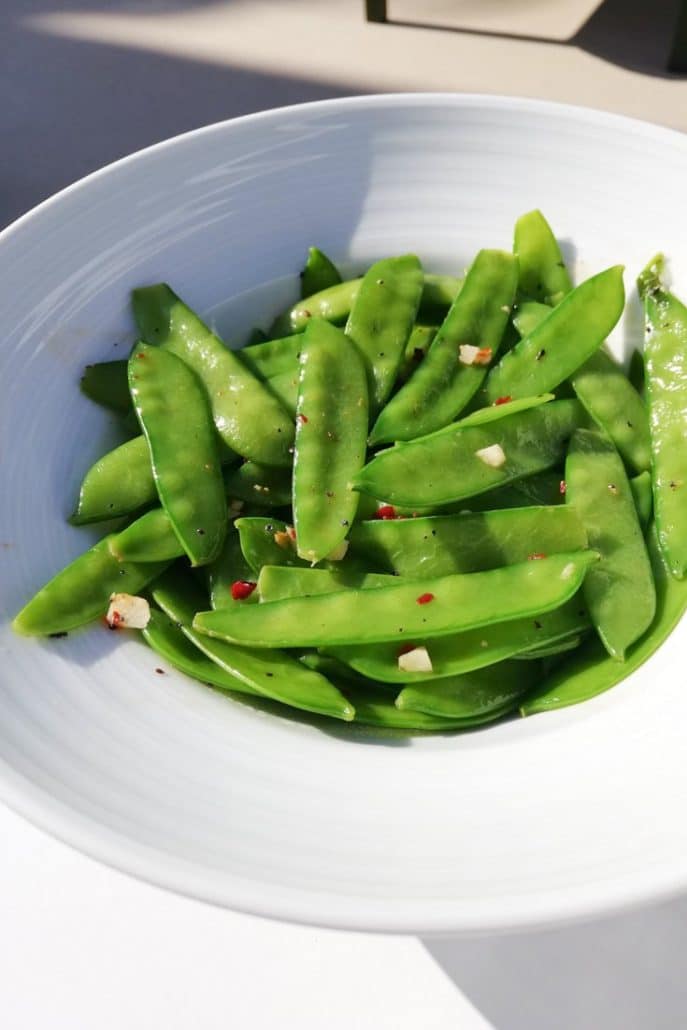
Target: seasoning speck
{"points": [[160, 672], [540, 354], [241, 589], [425, 598]]}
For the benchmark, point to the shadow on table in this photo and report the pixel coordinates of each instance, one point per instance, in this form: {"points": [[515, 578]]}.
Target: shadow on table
{"points": [[619, 973], [630, 33], [70, 107]]}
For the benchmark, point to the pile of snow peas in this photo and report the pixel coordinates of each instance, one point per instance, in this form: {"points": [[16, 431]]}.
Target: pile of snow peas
{"points": [[417, 502]]}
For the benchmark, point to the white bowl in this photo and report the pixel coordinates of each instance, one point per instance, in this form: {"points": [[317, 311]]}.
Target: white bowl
{"points": [[553, 817]]}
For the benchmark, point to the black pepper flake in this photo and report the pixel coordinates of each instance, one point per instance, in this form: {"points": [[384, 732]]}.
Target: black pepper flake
{"points": [[434, 532], [418, 354], [540, 354], [329, 493], [629, 425], [270, 674], [381, 354], [344, 522], [537, 624], [269, 528], [400, 629], [58, 636], [200, 532], [122, 572], [672, 484], [160, 672], [613, 488], [380, 282]]}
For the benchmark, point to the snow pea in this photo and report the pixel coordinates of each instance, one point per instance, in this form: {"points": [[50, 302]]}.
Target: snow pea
{"points": [[472, 695], [419, 342], [563, 341], [459, 653], [528, 315], [610, 398], [226, 569], [277, 582], [173, 410], [443, 383], [438, 545], [269, 673], [264, 485], [374, 707], [495, 412], [246, 415], [150, 537], [557, 647], [591, 671], [273, 357], [542, 272], [165, 637], [641, 494], [381, 321], [619, 590], [81, 592], [331, 432], [449, 465], [436, 607], [266, 541], [117, 484], [106, 383], [665, 355], [335, 304], [320, 273]]}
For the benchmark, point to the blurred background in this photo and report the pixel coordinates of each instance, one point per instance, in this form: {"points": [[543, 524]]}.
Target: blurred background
{"points": [[86, 81]]}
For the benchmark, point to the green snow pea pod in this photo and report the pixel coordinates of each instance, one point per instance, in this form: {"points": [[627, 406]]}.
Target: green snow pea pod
{"points": [[419, 342], [267, 541], [334, 304], [81, 592], [461, 461], [264, 485], [557, 647], [665, 356], [619, 590], [470, 696], [495, 412], [591, 671], [173, 410], [320, 273], [273, 357], [117, 484], [456, 363], [331, 433], [229, 567], [459, 653], [435, 607], [269, 673], [563, 341], [381, 321], [641, 493], [374, 707], [106, 383], [247, 416], [528, 315], [150, 537], [542, 272], [438, 545], [165, 637], [610, 398], [277, 582]]}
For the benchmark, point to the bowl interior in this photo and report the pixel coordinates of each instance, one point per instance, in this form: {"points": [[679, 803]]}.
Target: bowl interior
{"points": [[528, 821]]}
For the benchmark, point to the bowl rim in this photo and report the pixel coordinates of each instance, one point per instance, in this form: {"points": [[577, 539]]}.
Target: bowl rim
{"points": [[510, 913]]}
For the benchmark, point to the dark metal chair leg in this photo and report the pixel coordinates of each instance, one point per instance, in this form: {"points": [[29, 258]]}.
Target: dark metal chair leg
{"points": [[678, 55], [375, 10]]}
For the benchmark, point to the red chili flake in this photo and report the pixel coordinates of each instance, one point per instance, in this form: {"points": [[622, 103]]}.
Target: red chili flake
{"points": [[242, 589], [302, 419], [291, 532], [562, 486], [115, 620], [386, 511], [406, 649], [536, 556], [425, 598], [483, 356], [503, 400]]}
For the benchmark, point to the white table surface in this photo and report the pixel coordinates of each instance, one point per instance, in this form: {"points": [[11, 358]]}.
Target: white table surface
{"points": [[84, 82]]}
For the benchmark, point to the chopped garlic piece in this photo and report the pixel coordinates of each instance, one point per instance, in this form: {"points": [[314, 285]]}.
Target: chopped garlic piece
{"points": [[283, 539], [568, 570], [467, 354], [492, 456], [339, 552], [417, 660], [127, 611]]}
